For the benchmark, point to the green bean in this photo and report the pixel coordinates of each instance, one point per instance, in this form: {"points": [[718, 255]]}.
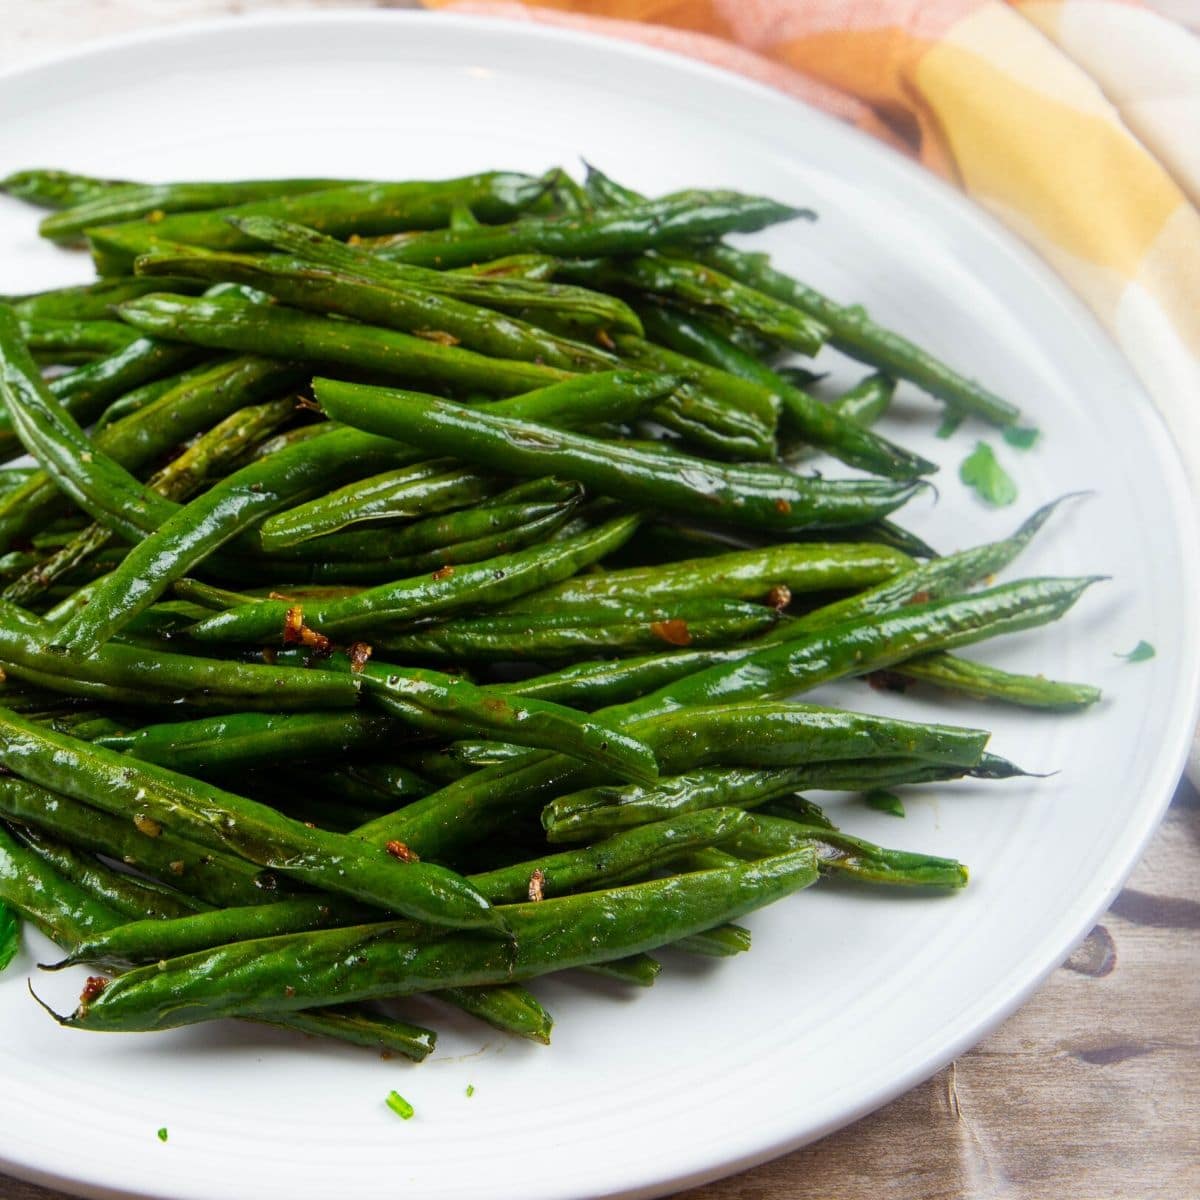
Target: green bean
{"points": [[210, 454], [821, 425], [843, 853], [223, 821], [757, 734], [760, 495], [866, 644], [68, 914], [308, 524], [738, 575], [419, 490], [490, 582], [56, 189], [605, 810], [621, 859], [627, 856], [208, 875], [722, 941], [581, 632], [938, 578], [186, 536], [983, 682], [382, 786], [580, 401], [65, 341], [592, 685], [850, 329], [278, 975], [122, 892], [360, 1027], [93, 301], [59, 908], [93, 479], [144, 941], [424, 700], [508, 1007], [126, 674], [231, 324], [429, 314], [639, 970], [84, 391], [534, 267], [853, 647], [223, 743], [363, 208], [862, 405], [490, 284], [153, 200], [854, 333], [512, 528], [700, 287], [685, 216], [446, 706]]}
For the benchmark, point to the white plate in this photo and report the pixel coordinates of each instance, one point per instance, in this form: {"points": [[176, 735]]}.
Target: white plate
{"points": [[848, 998]]}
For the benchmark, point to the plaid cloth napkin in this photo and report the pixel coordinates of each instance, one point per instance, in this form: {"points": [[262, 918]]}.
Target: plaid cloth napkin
{"points": [[1075, 122]]}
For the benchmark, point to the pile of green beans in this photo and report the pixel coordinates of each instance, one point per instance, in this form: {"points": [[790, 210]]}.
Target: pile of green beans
{"points": [[414, 587]]}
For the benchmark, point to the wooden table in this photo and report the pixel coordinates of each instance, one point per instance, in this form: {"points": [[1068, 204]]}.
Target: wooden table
{"points": [[1090, 1092]]}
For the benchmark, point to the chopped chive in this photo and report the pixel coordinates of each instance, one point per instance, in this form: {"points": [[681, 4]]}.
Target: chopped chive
{"points": [[162, 1134], [400, 1106], [981, 471], [1140, 652], [1020, 437], [470, 1090], [887, 802]]}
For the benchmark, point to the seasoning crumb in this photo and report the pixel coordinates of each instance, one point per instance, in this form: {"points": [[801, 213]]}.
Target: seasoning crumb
{"points": [[603, 338], [296, 633], [443, 572], [147, 825], [437, 335], [674, 631], [400, 851], [779, 597], [400, 1106], [537, 885], [177, 867], [92, 988], [359, 653]]}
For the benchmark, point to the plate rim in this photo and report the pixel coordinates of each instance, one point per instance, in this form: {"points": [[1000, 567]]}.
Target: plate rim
{"points": [[1173, 485]]}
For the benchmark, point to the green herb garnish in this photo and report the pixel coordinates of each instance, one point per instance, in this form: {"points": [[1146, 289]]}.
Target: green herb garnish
{"points": [[10, 935], [1140, 652], [981, 471], [162, 1134], [1021, 438], [950, 423], [887, 802], [470, 1090], [400, 1106]]}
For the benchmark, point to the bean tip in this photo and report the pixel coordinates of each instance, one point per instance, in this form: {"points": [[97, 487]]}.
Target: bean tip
{"points": [[64, 1021]]}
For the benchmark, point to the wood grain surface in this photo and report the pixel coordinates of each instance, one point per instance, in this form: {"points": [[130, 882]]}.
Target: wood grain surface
{"points": [[1089, 1092]]}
